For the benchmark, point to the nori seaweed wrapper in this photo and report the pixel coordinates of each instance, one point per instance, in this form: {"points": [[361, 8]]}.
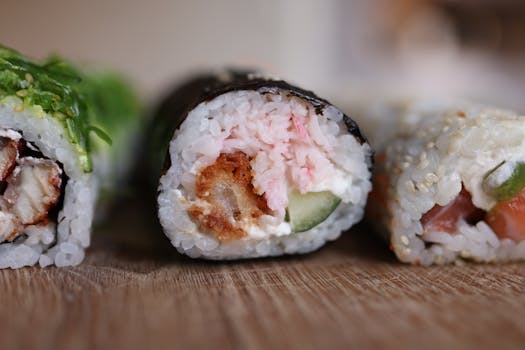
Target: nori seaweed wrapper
{"points": [[174, 108]]}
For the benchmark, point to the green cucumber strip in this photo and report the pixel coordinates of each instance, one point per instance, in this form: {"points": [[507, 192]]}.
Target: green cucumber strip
{"points": [[308, 210]]}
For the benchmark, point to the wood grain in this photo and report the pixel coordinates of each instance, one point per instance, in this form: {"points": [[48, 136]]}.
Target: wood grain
{"points": [[135, 292]]}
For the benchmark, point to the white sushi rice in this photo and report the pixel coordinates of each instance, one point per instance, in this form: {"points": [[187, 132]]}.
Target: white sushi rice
{"points": [[61, 243], [261, 126], [432, 150]]}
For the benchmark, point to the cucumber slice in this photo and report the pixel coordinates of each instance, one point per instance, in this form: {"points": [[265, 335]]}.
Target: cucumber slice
{"points": [[505, 181], [310, 209]]}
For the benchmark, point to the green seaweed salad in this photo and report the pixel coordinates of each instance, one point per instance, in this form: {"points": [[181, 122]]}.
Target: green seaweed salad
{"points": [[92, 107]]}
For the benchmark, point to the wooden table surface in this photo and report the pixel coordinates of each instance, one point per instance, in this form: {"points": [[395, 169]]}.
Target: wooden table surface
{"points": [[134, 292]]}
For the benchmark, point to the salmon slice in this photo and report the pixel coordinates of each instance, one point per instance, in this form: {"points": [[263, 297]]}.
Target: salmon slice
{"points": [[507, 218], [226, 186], [445, 218], [33, 189]]}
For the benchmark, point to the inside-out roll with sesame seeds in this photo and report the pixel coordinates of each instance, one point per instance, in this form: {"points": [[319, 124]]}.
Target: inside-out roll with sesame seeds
{"points": [[449, 181], [256, 167], [63, 135]]}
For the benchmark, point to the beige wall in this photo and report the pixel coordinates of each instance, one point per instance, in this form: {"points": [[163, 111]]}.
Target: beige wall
{"points": [[335, 47], [155, 41]]}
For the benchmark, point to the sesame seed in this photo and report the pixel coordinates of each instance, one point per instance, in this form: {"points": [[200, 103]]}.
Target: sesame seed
{"points": [[59, 115], [21, 93], [431, 177], [430, 145], [421, 186], [18, 108], [404, 240], [423, 164], [445, 128], [410, 186]]}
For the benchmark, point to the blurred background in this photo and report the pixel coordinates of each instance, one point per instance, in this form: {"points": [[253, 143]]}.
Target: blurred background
{"points": [[338, 48]]}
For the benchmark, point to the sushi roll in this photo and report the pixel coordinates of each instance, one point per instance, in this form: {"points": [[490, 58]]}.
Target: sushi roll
{"points": [[62, 134], [449, 181], [256, 167]]}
